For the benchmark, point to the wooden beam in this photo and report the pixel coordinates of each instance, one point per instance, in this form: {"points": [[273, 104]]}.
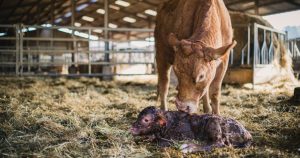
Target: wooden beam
{"points": [[52, 11], [101, 5], [29, 11], [237, 2], [294, 3], [257, 7], [1, 2], [260, 4], [57, 5], [150, 3], [14, 9], [73, 11], [14, 6]]}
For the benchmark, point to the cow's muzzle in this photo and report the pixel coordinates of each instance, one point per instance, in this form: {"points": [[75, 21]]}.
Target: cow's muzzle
{"points": [[186, 106]]}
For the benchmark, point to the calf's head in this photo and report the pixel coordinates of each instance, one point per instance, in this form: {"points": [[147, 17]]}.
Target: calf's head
{"points": [[149, 121], [195, 67]]}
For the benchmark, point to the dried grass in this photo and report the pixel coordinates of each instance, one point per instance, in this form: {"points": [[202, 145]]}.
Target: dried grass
{"points": [[90, 118]]}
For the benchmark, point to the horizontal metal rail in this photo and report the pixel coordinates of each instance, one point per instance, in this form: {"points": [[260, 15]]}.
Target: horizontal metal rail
{"points": [[91, 28], [79, 63], [63, 39], [85, 51], [79, 75], [269, 29]]}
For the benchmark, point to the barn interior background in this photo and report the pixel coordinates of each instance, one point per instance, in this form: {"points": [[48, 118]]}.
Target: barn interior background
{"points": [[113, 40]]}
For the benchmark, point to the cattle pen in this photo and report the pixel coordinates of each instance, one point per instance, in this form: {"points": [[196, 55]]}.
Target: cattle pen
{"points": [[74, 75]]}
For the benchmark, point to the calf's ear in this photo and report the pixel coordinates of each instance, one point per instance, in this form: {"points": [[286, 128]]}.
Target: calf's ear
{"points": [[161, 120], [213, 54]]}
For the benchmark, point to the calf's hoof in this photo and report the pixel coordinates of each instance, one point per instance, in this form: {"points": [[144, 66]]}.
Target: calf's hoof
{"points": [[192, 148]]}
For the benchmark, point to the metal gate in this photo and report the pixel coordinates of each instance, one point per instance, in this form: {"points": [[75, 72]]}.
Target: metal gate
{"points": [[75, 51]]}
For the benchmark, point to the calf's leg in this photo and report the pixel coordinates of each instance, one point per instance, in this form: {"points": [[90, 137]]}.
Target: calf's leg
{"points": [[213, 132]]}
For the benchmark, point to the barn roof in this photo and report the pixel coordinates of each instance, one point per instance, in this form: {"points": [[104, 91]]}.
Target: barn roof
{"points": [[41, 11]]}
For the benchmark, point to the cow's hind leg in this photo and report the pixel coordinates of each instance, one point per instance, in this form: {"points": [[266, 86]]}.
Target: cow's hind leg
{"points": [[163, 69]]}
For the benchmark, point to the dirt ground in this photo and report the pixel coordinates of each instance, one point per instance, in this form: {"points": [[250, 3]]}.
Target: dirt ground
{"points": [[44, 117]]}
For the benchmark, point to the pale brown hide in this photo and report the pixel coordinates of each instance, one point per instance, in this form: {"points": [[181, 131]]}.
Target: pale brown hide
{"points": [[195, 37]]}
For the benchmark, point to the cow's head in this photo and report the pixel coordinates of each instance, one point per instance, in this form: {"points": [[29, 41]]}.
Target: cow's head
{"points": [[195, 67]]}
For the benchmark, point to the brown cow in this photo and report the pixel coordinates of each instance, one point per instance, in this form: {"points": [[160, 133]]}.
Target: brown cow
{"points": [[195, 37]]}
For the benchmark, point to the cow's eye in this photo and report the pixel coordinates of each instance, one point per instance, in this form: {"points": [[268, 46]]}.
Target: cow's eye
{"points": [[200, 78]]}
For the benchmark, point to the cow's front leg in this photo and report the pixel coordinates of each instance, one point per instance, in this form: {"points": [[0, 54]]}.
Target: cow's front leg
{"points": [[216, 85], [215, 94], [163, 83], [206, 104]]}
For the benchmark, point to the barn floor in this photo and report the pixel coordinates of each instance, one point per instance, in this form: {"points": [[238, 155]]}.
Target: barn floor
{"points": [[86, 117]]}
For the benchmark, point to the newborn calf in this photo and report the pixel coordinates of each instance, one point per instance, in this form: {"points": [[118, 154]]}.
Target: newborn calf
{"points": [[164, 127]]}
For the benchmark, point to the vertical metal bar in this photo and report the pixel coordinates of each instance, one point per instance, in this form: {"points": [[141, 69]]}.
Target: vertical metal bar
{"points": [[254, 54], [89, 53], [249, 38], [17, 29], [52, 31], [73, 5], [106, 57], [263, 52], [295, 50], [292, 47], [29, 56], [271, 53], [231, 56], [21, 50], [129, 46], [242, 57]]}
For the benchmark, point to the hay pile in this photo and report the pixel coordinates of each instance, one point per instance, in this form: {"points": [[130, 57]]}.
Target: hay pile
{"points": [[87, 117]]}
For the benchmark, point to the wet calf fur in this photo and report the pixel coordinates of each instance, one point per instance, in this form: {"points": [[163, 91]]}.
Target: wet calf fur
{"points": [[164, 127]]}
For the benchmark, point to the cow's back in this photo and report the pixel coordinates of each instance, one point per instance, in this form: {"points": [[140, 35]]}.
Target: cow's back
{"points": [[204, 20]]}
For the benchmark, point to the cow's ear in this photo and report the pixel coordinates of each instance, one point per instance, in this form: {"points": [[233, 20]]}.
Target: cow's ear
{"points": [[213, 54], [173, 40], [186, 47]]}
